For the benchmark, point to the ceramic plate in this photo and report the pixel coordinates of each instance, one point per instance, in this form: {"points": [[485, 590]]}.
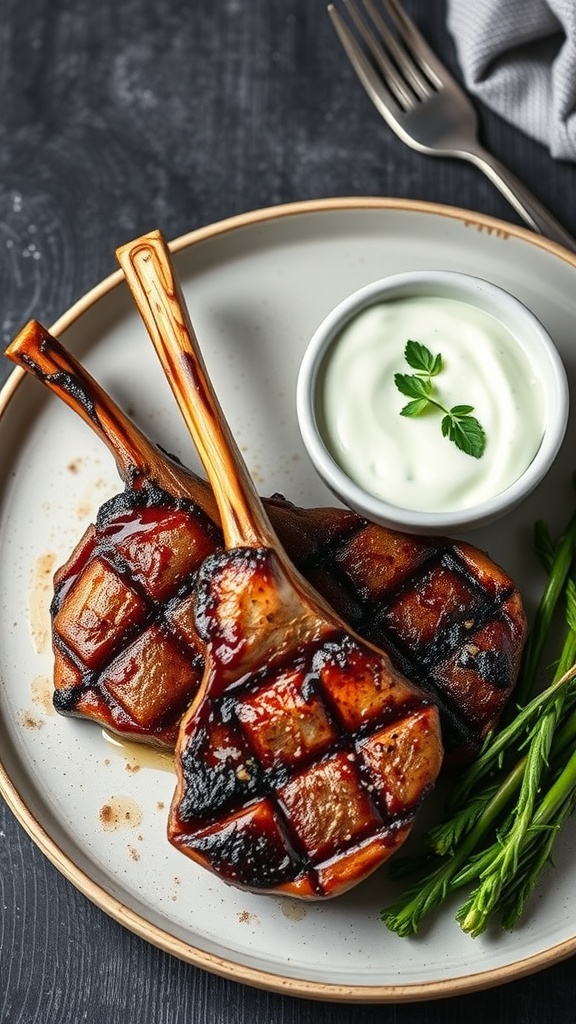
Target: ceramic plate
{"points": [[257, 287]]}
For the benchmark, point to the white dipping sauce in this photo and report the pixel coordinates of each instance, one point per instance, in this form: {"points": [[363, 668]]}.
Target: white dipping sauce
{"points": [[406, 461]]}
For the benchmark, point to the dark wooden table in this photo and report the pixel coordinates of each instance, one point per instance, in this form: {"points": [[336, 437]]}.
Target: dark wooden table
{"points": [[116, 118]]}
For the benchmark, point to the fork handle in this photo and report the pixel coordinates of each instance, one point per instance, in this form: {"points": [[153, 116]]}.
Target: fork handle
{"points": [[526, 205]]}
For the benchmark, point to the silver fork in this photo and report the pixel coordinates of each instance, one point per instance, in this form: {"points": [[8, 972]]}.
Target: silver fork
{"points": [[424, 104]]}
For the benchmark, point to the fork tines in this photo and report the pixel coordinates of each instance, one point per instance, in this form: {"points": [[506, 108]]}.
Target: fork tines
{"points": [[391, 57]]}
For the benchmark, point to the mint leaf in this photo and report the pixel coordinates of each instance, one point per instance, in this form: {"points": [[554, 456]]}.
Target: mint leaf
{"points": [[420, 358], [415, 408], [411, 386], [466, 433]]}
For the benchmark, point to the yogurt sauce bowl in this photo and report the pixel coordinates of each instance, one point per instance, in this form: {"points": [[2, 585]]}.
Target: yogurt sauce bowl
{"points": [[432, 401]]}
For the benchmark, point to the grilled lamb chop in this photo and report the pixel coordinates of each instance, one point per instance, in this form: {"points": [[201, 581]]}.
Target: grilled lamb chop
{"points": [[126, 650], [305, 756]]}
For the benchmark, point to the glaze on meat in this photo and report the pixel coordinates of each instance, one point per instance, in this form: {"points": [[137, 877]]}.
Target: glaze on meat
{"points": [[302, 766], [451, 620]]}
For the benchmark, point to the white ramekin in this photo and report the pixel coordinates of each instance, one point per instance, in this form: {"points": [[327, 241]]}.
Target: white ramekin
{"points": [[530, 336]]}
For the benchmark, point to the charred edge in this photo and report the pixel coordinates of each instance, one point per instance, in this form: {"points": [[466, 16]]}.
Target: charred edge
{"points": [[66, 701], [249, 858], [265, 783], [154, 616], [156, 612], [114, 717], [152, 495], [206, 599], [65, 382]]}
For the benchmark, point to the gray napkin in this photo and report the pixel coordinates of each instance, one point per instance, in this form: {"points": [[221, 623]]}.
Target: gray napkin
{"points": [[519, 57]]}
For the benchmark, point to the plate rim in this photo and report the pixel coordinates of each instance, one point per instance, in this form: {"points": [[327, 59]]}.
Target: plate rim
{"points": [[114, 908]]}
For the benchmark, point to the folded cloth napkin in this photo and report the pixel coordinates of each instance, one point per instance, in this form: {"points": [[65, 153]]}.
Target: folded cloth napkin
{"points": [[519, 57]]}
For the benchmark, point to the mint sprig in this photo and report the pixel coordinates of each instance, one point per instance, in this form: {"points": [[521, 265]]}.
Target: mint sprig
{"points": [[458, 425]]}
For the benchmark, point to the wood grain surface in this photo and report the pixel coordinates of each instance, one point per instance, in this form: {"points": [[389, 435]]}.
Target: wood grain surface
{"points": [[116, 118]]}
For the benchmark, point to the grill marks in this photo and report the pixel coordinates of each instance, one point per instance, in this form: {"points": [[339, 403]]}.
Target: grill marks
{"points": [[467, 658], [448, 624], [126, 651], [304, 772]]}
